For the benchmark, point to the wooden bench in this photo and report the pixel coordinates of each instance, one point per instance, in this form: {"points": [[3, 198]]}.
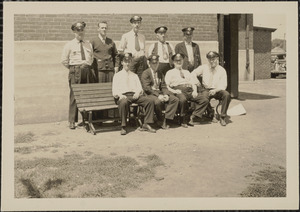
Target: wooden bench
{"points": [[96, 97]]}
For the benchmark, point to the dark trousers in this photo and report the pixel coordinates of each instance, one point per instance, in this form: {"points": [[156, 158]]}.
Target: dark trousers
{"points": [[164, 68], [144, 101], [200, 100], [222, 95], [77, 75], [170, 107], [138, 65], [105, 76]]}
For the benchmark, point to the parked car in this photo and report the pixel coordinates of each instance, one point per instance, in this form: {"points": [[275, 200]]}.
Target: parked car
{"points": [[279, 65]]}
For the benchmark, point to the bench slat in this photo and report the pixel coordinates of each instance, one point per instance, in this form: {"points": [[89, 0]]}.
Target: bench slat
{"points": [[95, 100], [91, 86], [104, 107], [90, 96], [90, 104], [87, 92]]}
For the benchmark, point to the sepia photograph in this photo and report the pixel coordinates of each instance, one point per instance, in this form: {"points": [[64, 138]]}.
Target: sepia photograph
{"points": [[150, 106]]}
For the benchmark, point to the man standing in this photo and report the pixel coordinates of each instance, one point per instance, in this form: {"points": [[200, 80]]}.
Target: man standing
{"points": [[189, 49], [134, 42], [214, 80], [180, 82], [127, 89], [106, 60], [155, 87], [163, 49], [77, 56]]}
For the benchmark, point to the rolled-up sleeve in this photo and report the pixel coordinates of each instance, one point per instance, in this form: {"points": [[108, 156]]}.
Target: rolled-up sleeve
{"points": [[122, 44]]}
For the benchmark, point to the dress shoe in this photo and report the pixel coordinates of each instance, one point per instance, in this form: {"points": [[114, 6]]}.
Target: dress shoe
{"points": [[214, 120], [123, 131], [80, 124], [191, 122], [184, 125], [147, 127], [164, 125], [72, 125], [222, 121]]}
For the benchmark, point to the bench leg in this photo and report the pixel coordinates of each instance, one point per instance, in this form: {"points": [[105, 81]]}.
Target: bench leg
{"points": [[91, 126], [85, 125]]}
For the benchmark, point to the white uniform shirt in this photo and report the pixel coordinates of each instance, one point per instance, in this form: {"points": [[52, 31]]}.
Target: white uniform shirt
{"points": [[173, 77], [126, 81], [71, 54], [190, 52], [160, 51], [211, 78], [127, 44]]}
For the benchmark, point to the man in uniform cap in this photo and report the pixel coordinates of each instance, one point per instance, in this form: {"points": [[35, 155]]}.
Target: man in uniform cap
{"points": [[77, 56], [155, 87], [162, 48], [127, 89], [214, 82], [189, 49], [180, 82], [134, 42]]}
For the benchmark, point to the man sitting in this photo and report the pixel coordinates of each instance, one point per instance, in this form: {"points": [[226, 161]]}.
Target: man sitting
{"points": [[179, 82], [214, 80], [127, 89], [154, 86]]}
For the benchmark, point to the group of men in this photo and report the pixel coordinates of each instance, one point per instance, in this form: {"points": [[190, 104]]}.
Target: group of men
{"points": [[168, 79]]}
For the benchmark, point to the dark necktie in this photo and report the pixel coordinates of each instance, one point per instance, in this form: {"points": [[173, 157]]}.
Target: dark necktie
{"points": [[155, 81], [137, 44], [82, 51], [181, 73], [165, 54]]}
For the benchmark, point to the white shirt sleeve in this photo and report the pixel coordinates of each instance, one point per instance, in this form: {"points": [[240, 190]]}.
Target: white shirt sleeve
{"points": [[195, 74], [122, 44], [222, 85], [65, 55], [150, 49]]}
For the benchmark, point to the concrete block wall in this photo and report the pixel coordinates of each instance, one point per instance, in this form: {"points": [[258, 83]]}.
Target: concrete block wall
{"points": [[41, 82], [262, 53], [58, 27]]}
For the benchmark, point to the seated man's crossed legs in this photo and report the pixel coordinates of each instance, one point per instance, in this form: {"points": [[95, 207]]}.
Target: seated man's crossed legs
{"points": [[225, 99], [170, 105]]}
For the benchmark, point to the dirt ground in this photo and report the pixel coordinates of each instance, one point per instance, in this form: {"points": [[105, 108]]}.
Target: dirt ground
{"points": [[206, 160]]}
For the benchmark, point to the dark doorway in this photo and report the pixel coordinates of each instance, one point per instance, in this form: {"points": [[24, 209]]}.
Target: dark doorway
{"points": [[228, 48]]}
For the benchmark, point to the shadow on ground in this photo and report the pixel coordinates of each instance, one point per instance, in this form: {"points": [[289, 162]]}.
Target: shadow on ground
{"points": [[254, 96]]}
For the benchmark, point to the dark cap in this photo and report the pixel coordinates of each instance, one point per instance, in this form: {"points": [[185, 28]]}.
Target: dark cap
{"points": [[126, 57], [161, 29], [177, 56], [153, 58], [188, 30], [78, 26], [212, 54], [135, 18]]}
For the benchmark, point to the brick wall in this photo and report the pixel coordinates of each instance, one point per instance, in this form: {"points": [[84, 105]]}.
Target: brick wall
{"points": [[262, 53], [58, 27]]}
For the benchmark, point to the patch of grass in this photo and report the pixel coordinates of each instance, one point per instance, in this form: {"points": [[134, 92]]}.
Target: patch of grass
{"points": [[30, 149], [75, 176], [24, 137], [270, 182], [23, 150]]}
